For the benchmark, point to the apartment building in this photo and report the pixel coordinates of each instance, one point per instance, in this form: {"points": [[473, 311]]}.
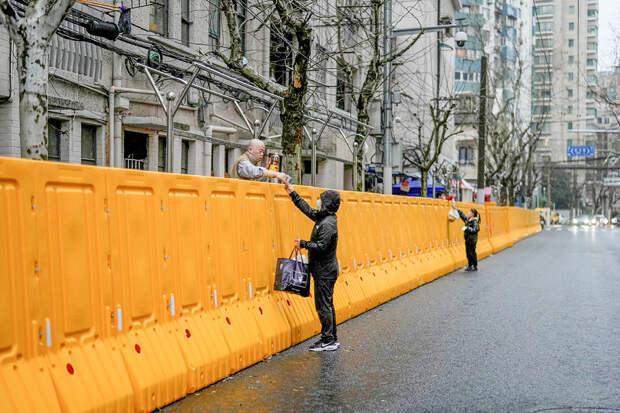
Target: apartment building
{"points": [[422, 75], [102, 109], [501, 30], [565, 58]]}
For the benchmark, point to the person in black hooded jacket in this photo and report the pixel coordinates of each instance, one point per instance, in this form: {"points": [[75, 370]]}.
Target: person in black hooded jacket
{"points": [[322, 261], [471, 229]]}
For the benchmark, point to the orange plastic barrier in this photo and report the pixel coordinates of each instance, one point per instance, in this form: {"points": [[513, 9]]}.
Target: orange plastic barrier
{"points": [[124, 290]]}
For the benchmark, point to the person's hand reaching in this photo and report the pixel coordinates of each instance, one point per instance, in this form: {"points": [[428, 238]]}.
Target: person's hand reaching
{"points": [[288, 187], [298, 244]]}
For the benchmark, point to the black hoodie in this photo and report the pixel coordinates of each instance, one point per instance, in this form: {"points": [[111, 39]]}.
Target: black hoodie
{"points": [[324, 239]]}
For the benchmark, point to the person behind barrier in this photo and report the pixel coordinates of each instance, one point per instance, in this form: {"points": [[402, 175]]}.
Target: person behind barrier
{"points": [[322, 261], [471, 230], [246, 166]]}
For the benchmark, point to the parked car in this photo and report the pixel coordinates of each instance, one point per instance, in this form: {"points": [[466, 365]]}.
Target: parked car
{"points": [[615, 220]]}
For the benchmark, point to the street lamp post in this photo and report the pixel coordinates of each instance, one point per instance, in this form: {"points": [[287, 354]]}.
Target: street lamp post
{"points": [[482, 128], [387, 86], [387, 100]]}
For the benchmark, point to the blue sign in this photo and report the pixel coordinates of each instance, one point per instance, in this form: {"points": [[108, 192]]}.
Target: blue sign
{"points": [[587, 150]]}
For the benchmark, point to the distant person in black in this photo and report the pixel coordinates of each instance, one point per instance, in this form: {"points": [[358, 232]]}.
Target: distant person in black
{"points": [[471, 230], [322, 260]]}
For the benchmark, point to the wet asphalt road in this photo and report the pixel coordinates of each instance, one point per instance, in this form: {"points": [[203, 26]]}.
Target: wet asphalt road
{"points": [[536, 328]]}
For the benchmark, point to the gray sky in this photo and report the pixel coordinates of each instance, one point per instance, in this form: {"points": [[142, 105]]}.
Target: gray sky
{"points": [[609, 33]]}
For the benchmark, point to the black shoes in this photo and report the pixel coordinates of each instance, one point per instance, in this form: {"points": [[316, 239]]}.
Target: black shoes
{"points": [[321, 346], [469, 268]]}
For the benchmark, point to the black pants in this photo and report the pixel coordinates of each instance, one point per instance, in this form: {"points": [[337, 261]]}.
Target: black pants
{"points": [[324, 303], [470, 250]]}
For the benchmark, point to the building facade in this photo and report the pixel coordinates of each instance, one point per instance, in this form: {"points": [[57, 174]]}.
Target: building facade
{"points": [[103, 110], [565, 58], [501, 31]]}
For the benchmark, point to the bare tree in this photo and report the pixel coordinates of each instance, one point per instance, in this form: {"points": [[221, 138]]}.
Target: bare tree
{"points": [[511, 137], [292, 20], [429, 141], [370, 38], [31, 35]]}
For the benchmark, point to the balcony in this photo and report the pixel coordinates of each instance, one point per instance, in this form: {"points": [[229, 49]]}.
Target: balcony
{"points": [[470, 19], [510, 11]]}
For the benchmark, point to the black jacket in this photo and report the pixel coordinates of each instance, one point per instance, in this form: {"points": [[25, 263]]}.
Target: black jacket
{"points": [[324, 239], [471, 232]]}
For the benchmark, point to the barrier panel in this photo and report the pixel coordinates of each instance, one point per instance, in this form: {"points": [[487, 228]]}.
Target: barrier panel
{"points": [[499, 236], [124, 290]]}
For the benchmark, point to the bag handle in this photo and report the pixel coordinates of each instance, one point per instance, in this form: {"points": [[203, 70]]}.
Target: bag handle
{"points": [[296, 251]]}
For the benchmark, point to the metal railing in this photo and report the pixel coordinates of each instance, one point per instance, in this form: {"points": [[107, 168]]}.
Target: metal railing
{"points": [[131, 163]]}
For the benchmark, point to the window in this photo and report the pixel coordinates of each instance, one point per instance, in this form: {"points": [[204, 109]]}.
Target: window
{"points": [[184, 156], [543, 127], [543, 77], [570, 93], [466, 155], [541, 27], [592, 12], [457, 75], [341, 88], [571, 42], [214, 23], [571, 26], [541, 109], [54, 132], [544, 43], [240, 12], [161, 154], [569, 109], [280, 56], [570, 125], [571, 10], [89, 145], [321, 76], [543, 10], [185, 22], [569, 142], [591, 112], [159, 17], [591, 62], [542, 94], [308, 166], [571, 75], [542, 59], [571, 60]]}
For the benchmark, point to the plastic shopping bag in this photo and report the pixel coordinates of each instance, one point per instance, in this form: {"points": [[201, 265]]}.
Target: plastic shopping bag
{"points": [[293, 275], [453, 214]]}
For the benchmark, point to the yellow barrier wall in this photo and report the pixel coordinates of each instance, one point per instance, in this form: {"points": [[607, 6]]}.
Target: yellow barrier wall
{"points": [[125, 290]]}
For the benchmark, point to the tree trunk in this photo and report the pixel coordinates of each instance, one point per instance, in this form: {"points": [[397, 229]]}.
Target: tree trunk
{"points": [[33, 77], [424, 183], [363, 103], [293, 106]]}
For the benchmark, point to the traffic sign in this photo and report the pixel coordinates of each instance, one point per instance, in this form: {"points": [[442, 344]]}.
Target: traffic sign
{"points": [[586, 150]]}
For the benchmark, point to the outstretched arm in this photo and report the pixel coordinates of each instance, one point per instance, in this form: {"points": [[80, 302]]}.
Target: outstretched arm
{"points": [[300, 203]]}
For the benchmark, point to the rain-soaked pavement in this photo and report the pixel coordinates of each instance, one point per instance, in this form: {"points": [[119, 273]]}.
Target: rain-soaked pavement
{"points": [[537, 328]]}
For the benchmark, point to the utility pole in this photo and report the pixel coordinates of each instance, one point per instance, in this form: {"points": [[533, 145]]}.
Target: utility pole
{"points": [[482, 131], [170, 97], [438, 52], [387, 99], [549, 187], [437, 91]]}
